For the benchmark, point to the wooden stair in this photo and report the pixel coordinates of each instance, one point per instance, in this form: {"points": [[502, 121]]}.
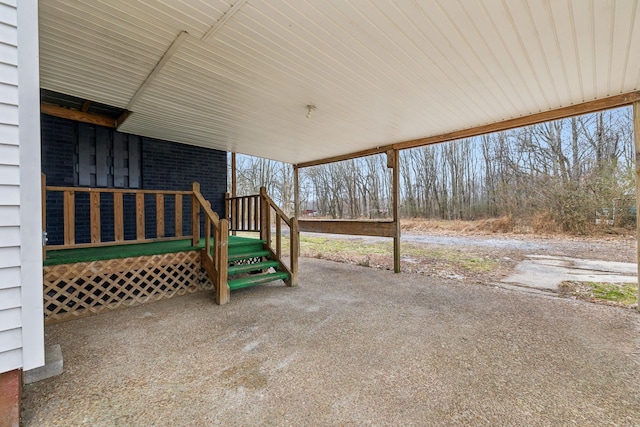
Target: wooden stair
{"points": [[251, 263]]}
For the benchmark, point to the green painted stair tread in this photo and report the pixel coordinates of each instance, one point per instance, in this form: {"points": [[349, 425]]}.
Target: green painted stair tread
{"points": [[247, 268], [245, 282], [247, 255], [245, 249], [244, 241]]}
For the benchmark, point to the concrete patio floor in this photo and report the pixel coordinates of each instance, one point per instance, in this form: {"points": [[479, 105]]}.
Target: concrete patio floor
{"points": [[350, 346]]}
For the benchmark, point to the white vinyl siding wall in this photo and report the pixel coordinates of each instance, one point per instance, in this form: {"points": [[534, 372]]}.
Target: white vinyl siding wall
{"points": [[10, 292], [21, 331]]}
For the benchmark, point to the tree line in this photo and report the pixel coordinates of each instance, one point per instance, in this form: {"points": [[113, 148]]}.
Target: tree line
{"points": [[569, 174]]}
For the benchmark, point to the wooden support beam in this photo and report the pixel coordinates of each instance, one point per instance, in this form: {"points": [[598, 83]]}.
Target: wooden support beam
{"points": [[233, 9], [396, 209], [636, 138], [234, 176], [355, 155], [234, 189], [294, 252], [351, 227], [79, 116], [177, 42], [121, 119], [223, 292], [296, 192], [532, 119]]}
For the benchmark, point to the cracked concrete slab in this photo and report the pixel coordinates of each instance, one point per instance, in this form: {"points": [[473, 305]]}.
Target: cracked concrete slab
{"points": [[547, 272]]}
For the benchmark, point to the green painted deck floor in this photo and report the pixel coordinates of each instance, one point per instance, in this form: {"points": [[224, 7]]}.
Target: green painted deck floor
{"points": [[69, 256]]}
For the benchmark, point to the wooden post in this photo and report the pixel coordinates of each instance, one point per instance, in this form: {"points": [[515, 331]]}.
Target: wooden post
{"points": [[94, 213], [264, 209], [207, 234], [229, 212], [195, 216], [296, 193], [140, 234], [43, 190], [279, 236], [222, 288], [393, 161], [234, 178], [159, 215], [294, 248], [118, 217], [234, 185], [69, 217], [178, 218], [636, 138]]}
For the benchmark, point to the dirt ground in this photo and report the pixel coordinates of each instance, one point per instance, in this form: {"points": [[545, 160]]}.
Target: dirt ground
{"points": [[480, 257], [351, 346]]}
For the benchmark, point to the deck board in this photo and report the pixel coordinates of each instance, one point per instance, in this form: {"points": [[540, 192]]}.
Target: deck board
{"points": [[69, 256]]}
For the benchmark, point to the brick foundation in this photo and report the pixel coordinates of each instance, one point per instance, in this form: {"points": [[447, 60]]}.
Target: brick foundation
{"points": [[10, 392]]}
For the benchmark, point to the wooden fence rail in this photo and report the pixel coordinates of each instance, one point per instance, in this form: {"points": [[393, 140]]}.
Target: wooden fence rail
{"points": [[96, 196]]}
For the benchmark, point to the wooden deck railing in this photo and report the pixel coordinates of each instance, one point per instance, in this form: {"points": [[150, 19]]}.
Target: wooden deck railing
{"points": [[214, 257], [243, 212], [115, 198], [254, 214]]}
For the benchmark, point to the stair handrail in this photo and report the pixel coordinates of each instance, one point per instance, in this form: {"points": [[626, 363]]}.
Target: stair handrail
{"points": [[243, 215], [294, 236], [215, 262]]}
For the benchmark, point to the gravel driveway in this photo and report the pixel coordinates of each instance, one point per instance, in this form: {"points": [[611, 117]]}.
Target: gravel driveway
{"points": [[350, 346]]}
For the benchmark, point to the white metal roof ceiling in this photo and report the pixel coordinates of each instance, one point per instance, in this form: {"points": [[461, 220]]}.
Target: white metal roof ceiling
{"points": [[378, 71]]}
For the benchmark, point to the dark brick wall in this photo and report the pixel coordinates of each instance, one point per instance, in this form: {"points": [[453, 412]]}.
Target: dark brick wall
{"points": [[165, 166]]}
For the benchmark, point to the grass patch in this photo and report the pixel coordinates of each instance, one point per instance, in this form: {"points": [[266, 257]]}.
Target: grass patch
{"points": [[626, 294], [359, 250], [621, 294]]}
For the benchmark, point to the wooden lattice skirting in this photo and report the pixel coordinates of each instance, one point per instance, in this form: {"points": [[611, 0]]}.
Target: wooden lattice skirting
{"points": [[85, 288]]}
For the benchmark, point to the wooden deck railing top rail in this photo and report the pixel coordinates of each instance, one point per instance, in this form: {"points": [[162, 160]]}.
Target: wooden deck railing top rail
{"points": [[214, 258], [115, 197]]}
